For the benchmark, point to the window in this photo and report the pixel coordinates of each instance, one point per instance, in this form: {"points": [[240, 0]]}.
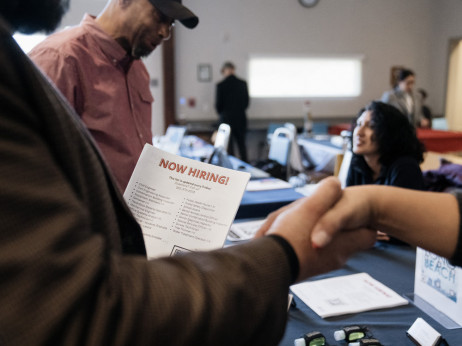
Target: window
{"points": [[305, 76], [27, 42]]}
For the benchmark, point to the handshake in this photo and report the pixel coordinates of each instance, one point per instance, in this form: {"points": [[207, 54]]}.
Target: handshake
{"points": [[332, 224]]}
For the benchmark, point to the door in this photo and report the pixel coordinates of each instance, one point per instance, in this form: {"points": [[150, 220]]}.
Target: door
{"points": [[454, 87]]}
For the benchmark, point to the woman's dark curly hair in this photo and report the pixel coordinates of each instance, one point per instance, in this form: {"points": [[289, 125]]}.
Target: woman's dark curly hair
{"points": [[394, 134]]}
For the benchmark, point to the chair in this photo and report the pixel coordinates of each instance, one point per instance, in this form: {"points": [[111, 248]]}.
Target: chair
{"points": [[344, 167], [222, 137], [295, 161], [271, 128], [280, 148], [219, 155]]}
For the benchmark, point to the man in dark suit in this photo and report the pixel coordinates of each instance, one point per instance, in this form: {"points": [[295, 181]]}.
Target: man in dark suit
{"points": [[73, 267], [231, 102]]}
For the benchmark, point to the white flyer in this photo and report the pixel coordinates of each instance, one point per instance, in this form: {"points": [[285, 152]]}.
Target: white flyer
{"points": [[181, 204], [346, 294]]}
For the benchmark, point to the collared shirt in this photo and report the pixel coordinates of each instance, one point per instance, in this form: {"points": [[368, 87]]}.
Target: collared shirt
{"points": [[108, 89]]}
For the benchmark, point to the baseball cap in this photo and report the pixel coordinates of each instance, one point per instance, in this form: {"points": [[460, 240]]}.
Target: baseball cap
{"points": [[175, 9]]}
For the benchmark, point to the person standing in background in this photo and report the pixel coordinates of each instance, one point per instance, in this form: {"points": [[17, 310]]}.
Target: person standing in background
{"points": [[97, 67], [231, 102], [403, 97], [427, 116]]}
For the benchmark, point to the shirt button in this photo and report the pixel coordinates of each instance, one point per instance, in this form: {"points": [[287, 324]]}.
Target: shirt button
{"points": [[141, 136]]}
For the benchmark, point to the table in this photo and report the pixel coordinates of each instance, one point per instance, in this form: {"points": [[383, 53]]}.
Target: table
{"points": [[338, 128], [393, 265], [439, 140], [432, 160], [258, 204]]}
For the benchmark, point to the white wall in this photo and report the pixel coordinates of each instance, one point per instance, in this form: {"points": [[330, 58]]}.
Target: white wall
{"points": [[79, 7], [386, 32]]}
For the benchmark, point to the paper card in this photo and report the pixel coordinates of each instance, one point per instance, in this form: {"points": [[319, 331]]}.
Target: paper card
{"points": [[265, 184], [244, 230], [439, 283], [423, 334], [181, 204], [346, 294]]}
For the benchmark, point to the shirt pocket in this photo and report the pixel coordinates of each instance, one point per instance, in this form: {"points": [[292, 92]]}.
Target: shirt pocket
{"points": [[142, 112], [146, 96]]}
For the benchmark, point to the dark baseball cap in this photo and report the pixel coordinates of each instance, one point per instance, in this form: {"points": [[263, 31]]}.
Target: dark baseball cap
{"points": [[174, 9]]}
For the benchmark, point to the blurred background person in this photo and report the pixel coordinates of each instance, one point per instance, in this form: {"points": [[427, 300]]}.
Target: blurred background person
{"points": [[426, 121], [231, 102], [403, 97]]}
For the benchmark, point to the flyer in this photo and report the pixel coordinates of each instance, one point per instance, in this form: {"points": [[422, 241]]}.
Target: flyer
{"points": [[181, 204]]}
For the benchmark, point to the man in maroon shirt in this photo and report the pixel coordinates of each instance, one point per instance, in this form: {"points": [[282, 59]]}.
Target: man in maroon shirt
{"points": [[97, 67]]}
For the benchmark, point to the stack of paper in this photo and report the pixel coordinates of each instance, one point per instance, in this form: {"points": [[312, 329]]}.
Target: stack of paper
{"points": [[267, 184], [244, 230], [347, 294]]}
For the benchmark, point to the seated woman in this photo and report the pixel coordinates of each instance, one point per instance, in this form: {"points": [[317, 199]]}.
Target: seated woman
{"points": [[386, 151], [385, 148]]}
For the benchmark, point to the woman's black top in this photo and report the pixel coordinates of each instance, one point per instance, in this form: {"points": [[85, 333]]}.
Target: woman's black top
{"points": [[403, 172]]}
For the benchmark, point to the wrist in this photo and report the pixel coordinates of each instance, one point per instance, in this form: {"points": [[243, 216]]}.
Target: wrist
{"points": [[291, 256], [375, 200]]}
